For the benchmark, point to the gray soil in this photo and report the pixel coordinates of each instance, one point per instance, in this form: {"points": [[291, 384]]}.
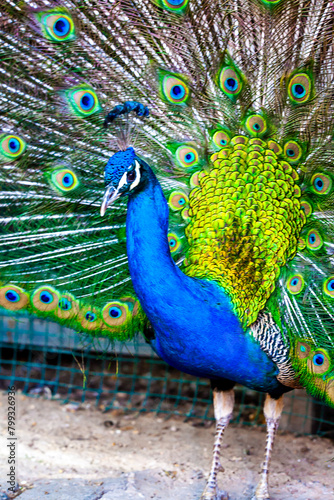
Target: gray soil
{"points": [[77, 452]]}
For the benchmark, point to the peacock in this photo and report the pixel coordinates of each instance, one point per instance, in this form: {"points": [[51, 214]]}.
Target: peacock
{"points": [[167, 169]]}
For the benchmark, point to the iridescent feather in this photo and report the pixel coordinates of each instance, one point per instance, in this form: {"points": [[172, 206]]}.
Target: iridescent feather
{"points": [[240, 136]]}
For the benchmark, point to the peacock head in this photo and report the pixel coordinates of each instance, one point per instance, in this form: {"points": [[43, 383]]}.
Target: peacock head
{"points": [[122, 175]]}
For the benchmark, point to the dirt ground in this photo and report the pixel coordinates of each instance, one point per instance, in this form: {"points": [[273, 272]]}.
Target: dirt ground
{"points": [[77, 452]]}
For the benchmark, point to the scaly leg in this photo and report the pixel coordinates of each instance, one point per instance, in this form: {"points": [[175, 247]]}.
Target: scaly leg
{"points": [[223, 402], [272, 412]]}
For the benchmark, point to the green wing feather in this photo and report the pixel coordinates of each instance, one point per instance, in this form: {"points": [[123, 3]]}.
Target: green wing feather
{"points": [[243, 150]]}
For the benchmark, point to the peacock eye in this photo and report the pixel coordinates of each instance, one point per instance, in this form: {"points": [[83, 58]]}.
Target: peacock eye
{"points": [[293, 152], [83, 101], [314, 240], [65, 304], [295, 284], [131, 176], [12, 297], [90, 316], [116, 313], [299, 88], [256, 125], [68, 307], [177, 200], [12, 146], [175, 90], [174, 242], [186, 156], [64, 179], [57, 26], [306, 207], [328, 286], [86, 100], [45, 299], [318, 359], [230, 82], [220, 139], [321, 183], [319, 363], [303, 350]]}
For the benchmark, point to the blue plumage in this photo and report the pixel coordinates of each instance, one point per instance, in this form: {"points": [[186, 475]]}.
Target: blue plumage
{"points": [[195, 326]]}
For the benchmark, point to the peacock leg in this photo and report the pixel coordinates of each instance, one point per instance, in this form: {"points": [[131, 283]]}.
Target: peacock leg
{"points": [[272, 412], [223, 402]]}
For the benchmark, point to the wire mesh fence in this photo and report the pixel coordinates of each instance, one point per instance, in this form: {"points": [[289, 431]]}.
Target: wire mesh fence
{"points": [[44, 359]]}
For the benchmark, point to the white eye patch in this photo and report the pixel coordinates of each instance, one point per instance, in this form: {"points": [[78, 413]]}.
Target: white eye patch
{"points": [[122, 181], [137, 180]]}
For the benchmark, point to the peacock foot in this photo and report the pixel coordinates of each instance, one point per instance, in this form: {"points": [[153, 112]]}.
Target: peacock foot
{"points": [[214, 494], [257, 497], [261, 492]]}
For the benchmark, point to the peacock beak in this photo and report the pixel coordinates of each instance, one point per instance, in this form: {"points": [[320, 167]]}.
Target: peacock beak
{"points": [[109, 197]]}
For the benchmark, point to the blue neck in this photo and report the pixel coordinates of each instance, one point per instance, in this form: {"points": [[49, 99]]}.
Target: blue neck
{"points": [[152, 268], [195, 326]]}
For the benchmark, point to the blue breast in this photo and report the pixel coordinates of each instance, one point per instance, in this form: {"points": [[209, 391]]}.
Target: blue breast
{"points": [[195, 328]]}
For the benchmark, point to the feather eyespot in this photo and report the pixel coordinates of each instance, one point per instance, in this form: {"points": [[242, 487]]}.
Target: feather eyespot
{"points": [[256, 125], [321, 183], [303, 350], [177, 200], [64, 179], [299, 88], [175, 5], [45, 299], [86, 101], [318, 359], [187, 156], [68, 307], [89, 318], [115, 313], [319, 363], [57, 26], [314, 240], [306, 207], [175, 90], [293, 152], [328, 287], [295, 284], [13, 297], [174, 242], [230, 82], [12, 146], [83, 101], [65, 304], [220, 139]]}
